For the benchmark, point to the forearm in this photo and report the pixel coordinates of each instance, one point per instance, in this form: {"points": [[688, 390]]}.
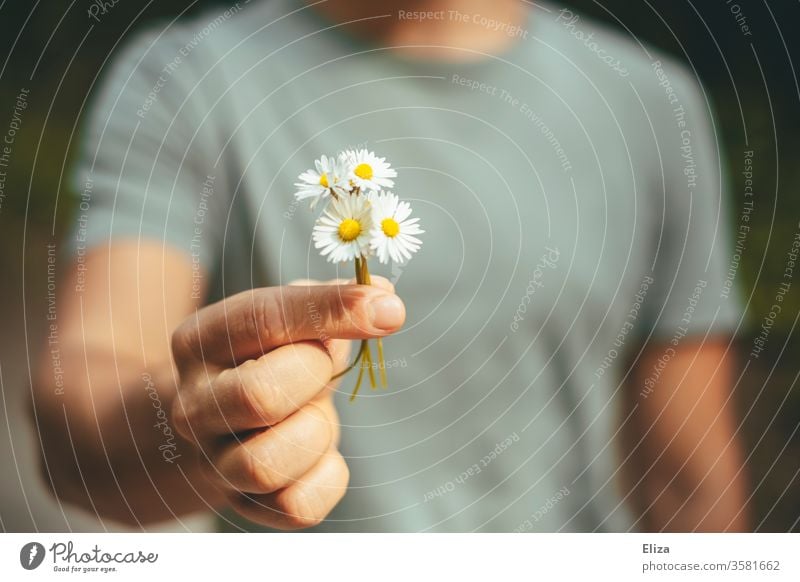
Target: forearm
{"points": [[109, 446], [105, 429], [697, 488], [686, 461]]}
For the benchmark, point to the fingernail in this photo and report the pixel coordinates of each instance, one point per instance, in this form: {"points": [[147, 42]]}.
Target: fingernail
{"points": [[387, 311]]}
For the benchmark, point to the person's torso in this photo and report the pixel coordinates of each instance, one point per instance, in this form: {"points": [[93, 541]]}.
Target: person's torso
{"points": [[500, 413]]}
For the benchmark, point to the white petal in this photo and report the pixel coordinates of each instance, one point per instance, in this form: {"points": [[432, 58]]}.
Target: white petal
{"points": [[402, 212]]}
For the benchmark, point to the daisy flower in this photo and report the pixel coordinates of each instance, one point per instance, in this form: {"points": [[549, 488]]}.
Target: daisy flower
{"points": [[362, 219], [329, 176], [392, 232], [367, 171], [342, 232]]}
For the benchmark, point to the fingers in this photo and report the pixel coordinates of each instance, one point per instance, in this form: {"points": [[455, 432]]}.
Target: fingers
{"points": [[252, 323], [255, 394], [275, 458], [325, 403], [339, 351], [303, 504]]}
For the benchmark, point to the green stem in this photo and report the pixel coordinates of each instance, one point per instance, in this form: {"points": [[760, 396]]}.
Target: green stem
{"points": [[368, 357], [353, 364], [358, 381], [364, 355], [382, 366]]}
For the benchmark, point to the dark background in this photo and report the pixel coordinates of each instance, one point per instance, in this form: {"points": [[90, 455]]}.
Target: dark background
{"points": [[57, 52]]}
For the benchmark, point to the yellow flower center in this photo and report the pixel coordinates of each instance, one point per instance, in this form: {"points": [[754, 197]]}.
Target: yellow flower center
{"points": [[363, 171], [349, 229], [323, 180], [390, 227]]}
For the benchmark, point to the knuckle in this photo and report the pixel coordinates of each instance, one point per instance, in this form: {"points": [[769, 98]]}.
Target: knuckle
{"points": [[338, 310], [298, 313], [247, 391], [342, 309], [335, 427], [303, 522], [257, 315], [342, 479], [268, 321], [259, 470], [345, 476], [307, 506], [299, 511], [258, 394], [209, 469], [180, 341], [318, 426], [180, 418]]}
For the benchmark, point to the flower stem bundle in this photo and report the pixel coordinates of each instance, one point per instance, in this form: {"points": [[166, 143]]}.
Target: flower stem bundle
{"points": [[362, 219]]}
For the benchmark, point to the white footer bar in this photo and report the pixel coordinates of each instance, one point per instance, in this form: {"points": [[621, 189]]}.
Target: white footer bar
{"points": [[401, 557]]}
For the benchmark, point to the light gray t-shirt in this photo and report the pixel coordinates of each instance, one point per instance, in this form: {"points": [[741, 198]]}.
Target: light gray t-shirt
{"points": [[570, 193]]}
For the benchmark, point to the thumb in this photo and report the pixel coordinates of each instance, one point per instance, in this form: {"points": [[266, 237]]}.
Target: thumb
{"points": [[254, 322]]}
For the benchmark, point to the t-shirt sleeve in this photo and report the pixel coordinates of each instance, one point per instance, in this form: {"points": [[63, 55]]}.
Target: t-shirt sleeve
{"points": [[692, 293], [142, 170]]}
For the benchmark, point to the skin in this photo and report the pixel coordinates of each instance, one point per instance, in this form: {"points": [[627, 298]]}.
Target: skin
{"points": [[448, 38], [685, 469], [245, 384]]}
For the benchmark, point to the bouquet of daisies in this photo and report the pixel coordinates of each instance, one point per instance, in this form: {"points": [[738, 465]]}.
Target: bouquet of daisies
{"points": [[362, 219]]}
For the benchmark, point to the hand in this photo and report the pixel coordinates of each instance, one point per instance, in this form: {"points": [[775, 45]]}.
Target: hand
{"points": [[255, 393]]}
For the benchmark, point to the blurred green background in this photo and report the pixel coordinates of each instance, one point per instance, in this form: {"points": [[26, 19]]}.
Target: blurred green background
{"points": [[57, 53]]}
